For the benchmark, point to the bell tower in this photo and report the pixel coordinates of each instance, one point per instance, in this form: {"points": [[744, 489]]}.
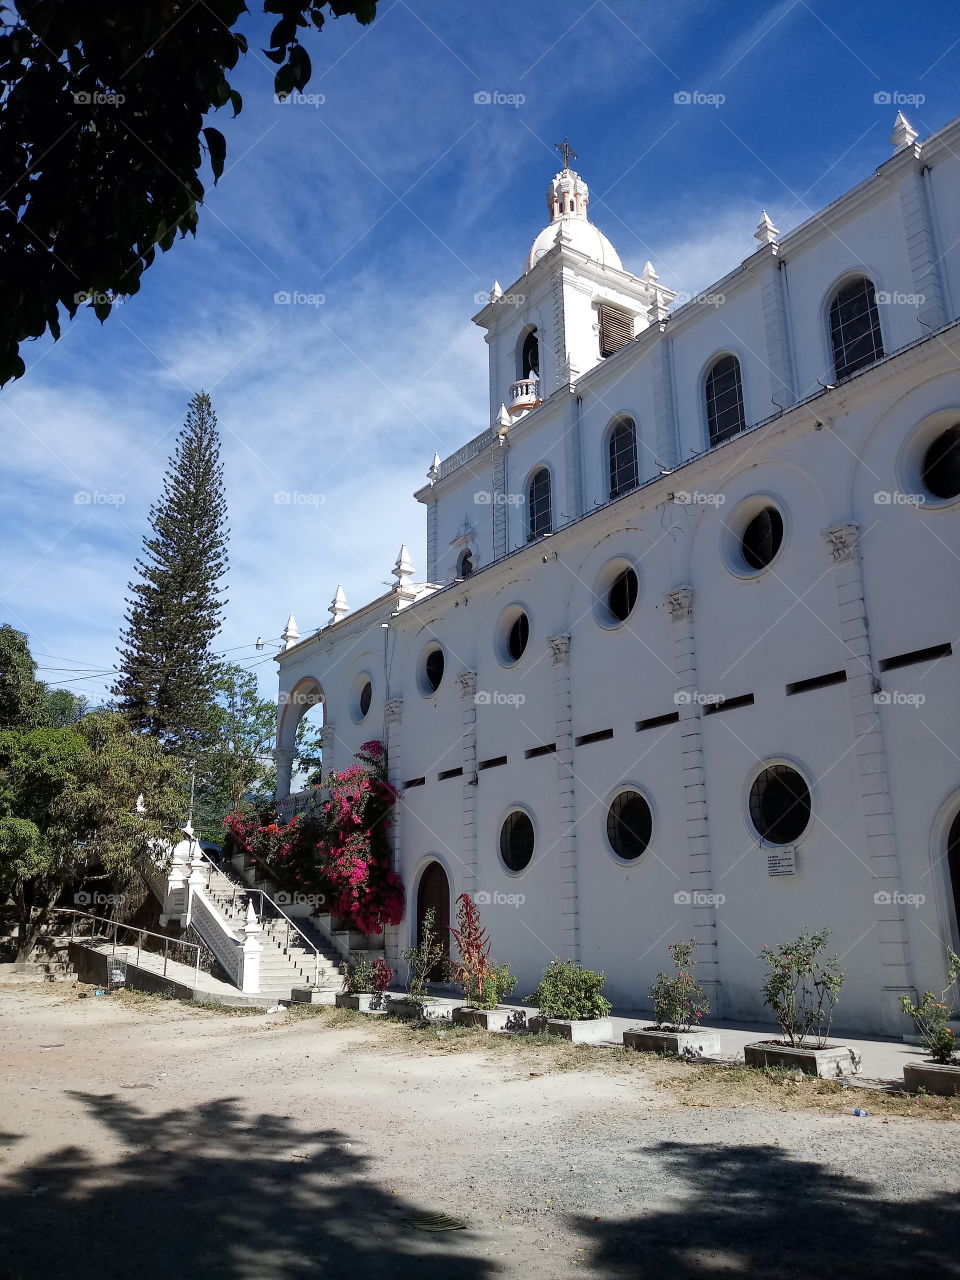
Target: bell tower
{"points": [[574, 305]]}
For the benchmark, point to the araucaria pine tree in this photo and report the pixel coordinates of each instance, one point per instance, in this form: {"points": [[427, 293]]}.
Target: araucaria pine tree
{"points": [[168, 671]]}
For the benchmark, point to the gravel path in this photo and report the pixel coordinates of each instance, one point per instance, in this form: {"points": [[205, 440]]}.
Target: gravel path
{"points": [[159, 1141]]}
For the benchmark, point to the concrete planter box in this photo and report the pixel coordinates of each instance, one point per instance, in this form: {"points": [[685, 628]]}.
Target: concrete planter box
{"points": [[365, 1002], [488, 1019], [689, 1044], [311, 995], [404, 1007], [829, 1063], [936, 1077], [581, 1030]]}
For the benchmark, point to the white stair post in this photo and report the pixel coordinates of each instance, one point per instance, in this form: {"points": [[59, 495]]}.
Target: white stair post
{"points": [[252, 949]]}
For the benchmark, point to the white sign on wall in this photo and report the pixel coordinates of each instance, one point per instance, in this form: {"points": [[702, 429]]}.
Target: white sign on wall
{"points": [[782, 862]]}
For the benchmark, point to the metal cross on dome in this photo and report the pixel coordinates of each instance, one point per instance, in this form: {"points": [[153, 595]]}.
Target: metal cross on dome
{"points": [[567, 152]]}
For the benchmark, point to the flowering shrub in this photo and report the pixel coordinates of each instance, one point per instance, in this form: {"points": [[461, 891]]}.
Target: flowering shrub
{"points": [[679, 1000], [802, 989], [568, 991], [364, 978], [932, 1016], [340, 851]]}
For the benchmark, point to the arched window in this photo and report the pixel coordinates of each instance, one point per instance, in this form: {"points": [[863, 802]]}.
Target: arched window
{"points": [[855, 327], [465, 564], [622, 449], [528, 354], [540, 516], [724, 396]]}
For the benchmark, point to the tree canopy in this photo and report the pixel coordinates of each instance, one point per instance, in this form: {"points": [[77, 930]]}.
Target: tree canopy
{"points": [[103, 140]]}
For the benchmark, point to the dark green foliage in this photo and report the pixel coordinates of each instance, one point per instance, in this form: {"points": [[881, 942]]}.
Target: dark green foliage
{"points": [[102, 140], [21, 694], [168, 675]]}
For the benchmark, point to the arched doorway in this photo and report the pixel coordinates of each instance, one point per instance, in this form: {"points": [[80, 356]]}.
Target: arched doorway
{"points": [[953, 862], [434, 891]]}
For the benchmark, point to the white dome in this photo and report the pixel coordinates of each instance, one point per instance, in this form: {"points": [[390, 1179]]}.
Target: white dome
{"points": [[580, 235]]}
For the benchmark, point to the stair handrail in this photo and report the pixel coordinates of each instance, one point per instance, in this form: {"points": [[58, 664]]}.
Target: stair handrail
{"points": [[132, 928], [291, 924]]}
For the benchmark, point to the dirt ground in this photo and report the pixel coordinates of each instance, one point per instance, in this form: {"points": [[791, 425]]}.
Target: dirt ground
{"points": [[145, 1138]]}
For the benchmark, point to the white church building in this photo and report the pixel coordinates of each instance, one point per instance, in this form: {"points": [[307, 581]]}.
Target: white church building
{"points": [[683, 659]]}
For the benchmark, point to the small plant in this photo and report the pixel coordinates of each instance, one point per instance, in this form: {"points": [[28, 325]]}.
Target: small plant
{"points": [[424, 957], [358, 979], [932, 1015], [568, 991], [484, 984], [678, 999], [801, 988]]}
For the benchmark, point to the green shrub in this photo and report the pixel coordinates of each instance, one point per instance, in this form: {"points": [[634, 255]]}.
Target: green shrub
{"points": [[932, 1016], [424, 957], [568, 991], [802, 989], [678, 999]]}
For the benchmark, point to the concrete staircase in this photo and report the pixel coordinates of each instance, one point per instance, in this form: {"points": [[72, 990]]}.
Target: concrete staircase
{"points": [[287, 960]]}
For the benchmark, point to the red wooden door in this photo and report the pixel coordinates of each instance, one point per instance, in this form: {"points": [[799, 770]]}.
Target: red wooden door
{"points": [[434, 891]]}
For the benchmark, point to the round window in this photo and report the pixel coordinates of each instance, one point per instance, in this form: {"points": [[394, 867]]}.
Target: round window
{"points": [[629, 825], [516, 841], [622, 595], [518, 637], [779, 805], [941, 464], [761, 539], [366, 696], [431, 670]]}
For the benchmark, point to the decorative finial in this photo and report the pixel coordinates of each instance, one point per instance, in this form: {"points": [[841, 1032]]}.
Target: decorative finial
{"points": [[434, 472], [403, 569], [338, 605], [503, 422], [496, 291], [766, 232], [904, 134], [648, 274], [567, 152], [290, 634]]}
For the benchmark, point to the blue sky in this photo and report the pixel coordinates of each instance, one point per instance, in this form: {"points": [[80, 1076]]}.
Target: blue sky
{"points": [[397, 198]]}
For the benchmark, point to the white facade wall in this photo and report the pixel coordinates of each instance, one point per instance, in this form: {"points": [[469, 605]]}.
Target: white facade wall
{"points": [[884, 777]]}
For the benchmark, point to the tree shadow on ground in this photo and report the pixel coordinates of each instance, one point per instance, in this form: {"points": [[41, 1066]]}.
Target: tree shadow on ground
{"points": [[215, 1192], [755, 1210]]}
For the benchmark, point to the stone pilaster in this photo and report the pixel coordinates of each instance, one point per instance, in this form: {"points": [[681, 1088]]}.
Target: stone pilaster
{"points": [[925, 261], [664, 408], [499, 489], [776, 327], [879, 844], [467, 684], [432, 541], [566, 848], [283, 758], [393, 936], [573, 463], [699, 878]]}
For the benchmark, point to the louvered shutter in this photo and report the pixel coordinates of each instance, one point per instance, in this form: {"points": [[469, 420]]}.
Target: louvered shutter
{"points": [[616, 330]]}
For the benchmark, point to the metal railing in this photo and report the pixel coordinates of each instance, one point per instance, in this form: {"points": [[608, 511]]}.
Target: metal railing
{"points": [[115, 925], [269, 910]]}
